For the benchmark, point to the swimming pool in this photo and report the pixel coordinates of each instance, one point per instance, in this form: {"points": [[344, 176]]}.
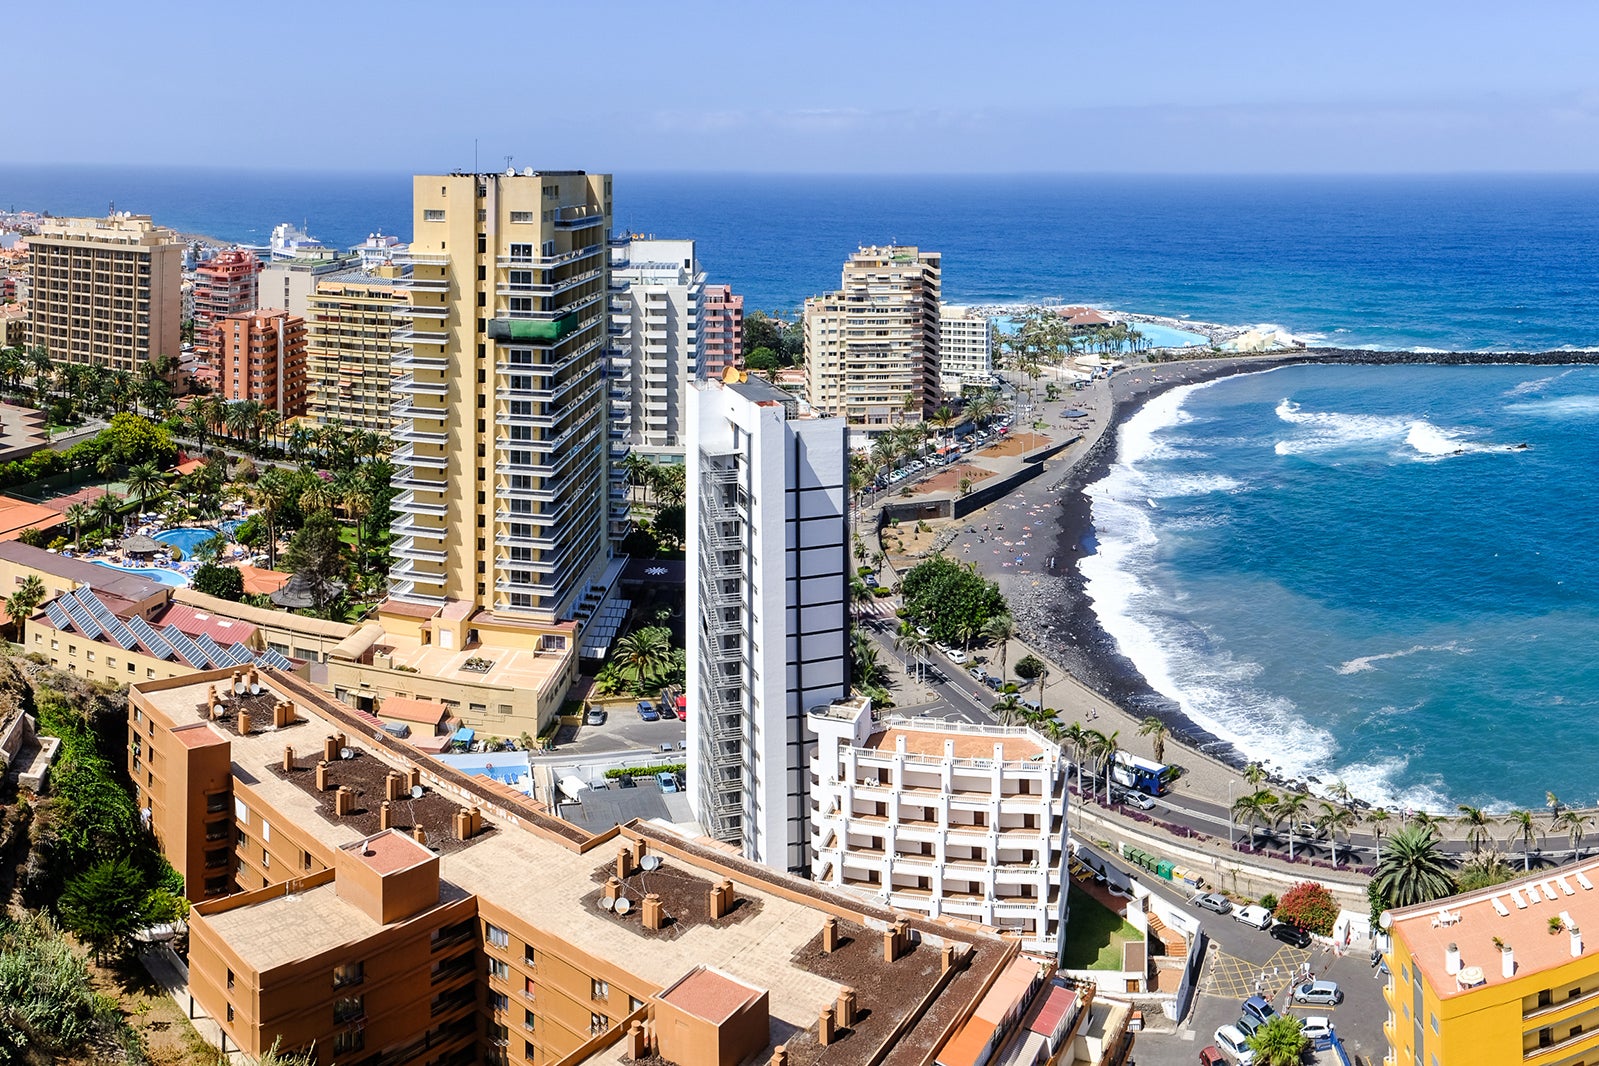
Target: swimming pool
{"points": [[154, 573], [187, 538], [507, 767]]}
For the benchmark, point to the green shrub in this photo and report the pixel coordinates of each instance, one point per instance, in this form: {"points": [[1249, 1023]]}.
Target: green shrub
{"points": [[1269, 901], [646, 771]]}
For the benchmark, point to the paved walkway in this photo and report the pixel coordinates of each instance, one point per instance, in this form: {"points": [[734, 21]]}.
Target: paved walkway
{"points": [[168, 971]]}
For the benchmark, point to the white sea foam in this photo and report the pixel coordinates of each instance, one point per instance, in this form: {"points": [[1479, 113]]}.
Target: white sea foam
{"points": [[1326, 431], [1373, 781], [1526, 388], [1367, 662]]}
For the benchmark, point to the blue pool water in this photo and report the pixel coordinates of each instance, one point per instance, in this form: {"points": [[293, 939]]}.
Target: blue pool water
{"points": [[155, 573], [187, 538], [507, 767]]}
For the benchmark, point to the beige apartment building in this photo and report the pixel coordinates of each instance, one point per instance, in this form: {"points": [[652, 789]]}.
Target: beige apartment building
{"points": [[872, 347], [510, 500], [355, 896], [106, 291], [352, 357]]}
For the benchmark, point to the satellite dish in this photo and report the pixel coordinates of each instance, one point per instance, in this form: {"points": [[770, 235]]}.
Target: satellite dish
{"points": [[622, 905], [416, 792], [650, 862], [346, 753], [607, 903], [255, 689], [217, 709]]}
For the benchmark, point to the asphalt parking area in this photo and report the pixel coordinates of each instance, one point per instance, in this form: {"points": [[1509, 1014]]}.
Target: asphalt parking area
{"points": [[1230, 977]]}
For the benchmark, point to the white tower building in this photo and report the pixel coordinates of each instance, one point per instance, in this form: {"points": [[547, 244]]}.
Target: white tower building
{"points": [[655, 323], [768, 545]]}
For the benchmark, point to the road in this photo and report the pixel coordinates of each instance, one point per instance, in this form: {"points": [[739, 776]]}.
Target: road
{"points": [[1241, 959]]}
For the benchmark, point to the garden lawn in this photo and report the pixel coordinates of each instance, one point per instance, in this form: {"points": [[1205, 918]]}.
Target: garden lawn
{"points": [[1095, 934]]}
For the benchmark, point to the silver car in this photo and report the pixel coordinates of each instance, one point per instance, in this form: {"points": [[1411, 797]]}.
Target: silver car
{"points": [[1214, 901]]}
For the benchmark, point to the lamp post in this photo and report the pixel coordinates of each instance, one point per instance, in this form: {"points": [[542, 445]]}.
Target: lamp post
{"points": [[1229, 814]]}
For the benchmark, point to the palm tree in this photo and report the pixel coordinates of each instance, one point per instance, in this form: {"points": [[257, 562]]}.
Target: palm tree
{"points": [[1335, 819], [1520, 822], [1339, 791], [19, 609], [1291, 809], [78, 514], [913, 642], [1077, 737], [1414, 870], [1254, 810], [239, 420], [1280, 1042], [997, 631], [1008, 709], [358, 505], [1106, 747], [1157, 732], [107, 509], [317, 496], [145, 481], [1377, 819], [1477, 825], [270, 420], [1254, 773], [1575, 824], [644, 655]]}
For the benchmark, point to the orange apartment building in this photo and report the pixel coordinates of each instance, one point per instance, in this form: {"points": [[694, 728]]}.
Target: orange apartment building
{"points": [[226, 284], [353, 893], [262, 358]]}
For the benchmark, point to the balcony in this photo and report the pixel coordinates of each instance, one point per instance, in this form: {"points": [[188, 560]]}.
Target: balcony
{"points": [[407, 385], [551, 288], [407, 503], [407, 359], [406, 548], [576, 218], [409, 456], [437, 312], [416, 335], [409, 433], [507, 261]]}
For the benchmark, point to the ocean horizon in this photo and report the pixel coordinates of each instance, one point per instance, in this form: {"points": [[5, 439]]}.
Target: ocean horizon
{"points": [[1410, 262]]}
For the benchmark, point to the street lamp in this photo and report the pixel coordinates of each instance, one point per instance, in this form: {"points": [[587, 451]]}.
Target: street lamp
{"points": [[1230, 814]]}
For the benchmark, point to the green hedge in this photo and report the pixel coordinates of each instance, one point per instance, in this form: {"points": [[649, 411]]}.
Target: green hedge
{"points": [[646, 771]]}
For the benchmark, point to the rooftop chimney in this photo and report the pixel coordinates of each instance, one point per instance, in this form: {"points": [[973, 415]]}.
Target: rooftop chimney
{"points": [[1576, 941], [624, 861], [282, 713], [638, 1045], [613, 888], [420, 835], [1507, 962], [946, 959], [890, 945], [343, 801], [824, 1027], [721, 899], [244, 722], [330, 748], [385, 817], [829, 936], [780, 1055], [322, 776], [845, 1011], [652, 912], [288, 758], [391, 786]]}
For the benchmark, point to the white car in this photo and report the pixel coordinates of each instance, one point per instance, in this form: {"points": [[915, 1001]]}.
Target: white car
{"points": [[1318, 1027], [1254, 915], [1232, 1041], [955, 655]]}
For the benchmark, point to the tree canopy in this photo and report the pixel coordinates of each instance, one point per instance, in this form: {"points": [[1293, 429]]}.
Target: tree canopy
{"points": [[952, 600], [319, 555], [214, 580]]}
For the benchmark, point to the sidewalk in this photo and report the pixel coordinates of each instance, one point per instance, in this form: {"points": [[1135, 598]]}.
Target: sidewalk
{"points": [[168, 971]]}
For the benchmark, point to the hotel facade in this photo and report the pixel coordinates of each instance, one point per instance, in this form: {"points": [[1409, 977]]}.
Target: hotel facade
{"points": [[106, 291], [872, 348], [351, 352], [656, 325]]}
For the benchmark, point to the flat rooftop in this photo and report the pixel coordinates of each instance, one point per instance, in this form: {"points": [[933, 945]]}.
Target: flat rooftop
{"points": [[532, 865], [932, 741], [1471, 922], [512, 667], [389, 852], [711, 995]]}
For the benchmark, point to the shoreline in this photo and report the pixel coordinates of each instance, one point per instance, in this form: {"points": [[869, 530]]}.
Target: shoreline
{"points": [[1052, 611]]}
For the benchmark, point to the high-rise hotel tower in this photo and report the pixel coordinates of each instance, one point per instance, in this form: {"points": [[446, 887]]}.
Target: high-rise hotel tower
{"points": [[509, 508]]}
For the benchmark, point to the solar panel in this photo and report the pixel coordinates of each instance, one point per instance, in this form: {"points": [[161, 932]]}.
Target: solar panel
{"points": [[275, 659], [122, 634], [80, 618], [57, 616], [237, 655], [211, 649], [186, 647], [101, 612], [151, 639]]}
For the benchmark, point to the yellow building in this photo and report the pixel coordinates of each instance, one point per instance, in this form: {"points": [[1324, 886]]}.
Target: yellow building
{"points": [[106, 291], [358, 897], [352, 357], [510, 504], [872, 348], [1498, 976]]}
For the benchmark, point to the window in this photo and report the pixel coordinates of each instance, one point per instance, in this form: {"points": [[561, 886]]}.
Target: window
{"points": [[496, 936], [499, 968], [521, 251], [241, 813], [230, 980], [499, 1002], [266, 830], [529, 1019], [350, 973], [599, 990], [266, 860], [230, 1012], [433, 215], [354, 1038], [521, 216], [1433, 1018], [346, 1008], [598, 1023]]}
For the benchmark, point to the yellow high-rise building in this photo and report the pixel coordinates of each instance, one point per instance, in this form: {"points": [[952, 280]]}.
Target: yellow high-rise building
{"points": [[510, 503], [351, 354], [106, 291], [1498, 976]]}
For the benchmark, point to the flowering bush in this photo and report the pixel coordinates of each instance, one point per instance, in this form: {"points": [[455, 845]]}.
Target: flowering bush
{"points": [[1309, 905]]}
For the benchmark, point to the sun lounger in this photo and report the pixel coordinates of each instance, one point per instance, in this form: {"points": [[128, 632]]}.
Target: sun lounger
{"points": [[1582, 880], [1565, 886], [1504, 912], [1549, 890], [1515, 896]]}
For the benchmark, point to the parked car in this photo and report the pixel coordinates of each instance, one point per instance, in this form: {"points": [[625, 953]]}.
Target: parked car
{"points": [[1258, 1009], [667, 781], [993, 682], [955, 655], [1326, 993], [1318, 1028], [645, 705], [595, 717], [1213, 901], [1254, 915], [668, 711], [1233, 1042], [977, 672], [1211, 1055], [1291, 934], [647, 713]]}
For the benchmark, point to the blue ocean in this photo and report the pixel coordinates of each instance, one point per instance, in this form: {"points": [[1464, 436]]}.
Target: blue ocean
{"points": [[1379, 574], [1354, 572], [1453, 263]]}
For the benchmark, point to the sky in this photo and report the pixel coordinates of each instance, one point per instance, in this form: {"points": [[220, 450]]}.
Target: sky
{"points": [[984, 86]]}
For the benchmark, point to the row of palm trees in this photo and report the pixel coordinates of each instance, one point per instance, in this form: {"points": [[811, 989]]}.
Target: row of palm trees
{"points": [[996, 632], [1522, 824], [249, 424], [86, 386], [668, 481]]}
